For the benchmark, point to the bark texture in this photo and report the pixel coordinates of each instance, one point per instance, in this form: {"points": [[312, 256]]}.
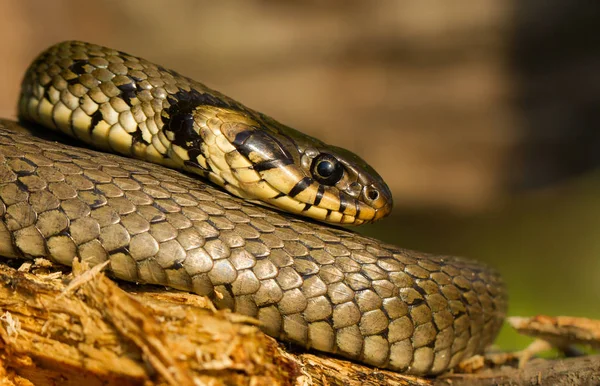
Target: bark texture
{"points": [[58, 327]]}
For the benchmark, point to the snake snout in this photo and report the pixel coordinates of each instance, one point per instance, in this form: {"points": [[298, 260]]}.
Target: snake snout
{"points": [[379, 197]]}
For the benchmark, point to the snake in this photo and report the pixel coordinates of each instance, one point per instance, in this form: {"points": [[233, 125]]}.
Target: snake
{"points": [[189, 189]]}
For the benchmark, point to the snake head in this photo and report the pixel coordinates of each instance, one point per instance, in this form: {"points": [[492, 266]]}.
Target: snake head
{"points": [[264, 161], [357, 191]]}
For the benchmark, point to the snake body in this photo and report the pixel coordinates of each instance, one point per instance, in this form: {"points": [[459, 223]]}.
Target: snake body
{"points": [[312, 284]]}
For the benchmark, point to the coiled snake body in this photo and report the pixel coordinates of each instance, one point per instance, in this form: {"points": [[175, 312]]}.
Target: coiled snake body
{"points": [[312, 284]]}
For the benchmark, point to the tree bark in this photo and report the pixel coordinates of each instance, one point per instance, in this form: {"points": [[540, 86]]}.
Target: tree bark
{"points": [[62, 328]]}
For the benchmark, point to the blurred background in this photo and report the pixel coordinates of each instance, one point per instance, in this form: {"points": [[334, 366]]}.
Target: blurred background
{"points": [[482, 116]]}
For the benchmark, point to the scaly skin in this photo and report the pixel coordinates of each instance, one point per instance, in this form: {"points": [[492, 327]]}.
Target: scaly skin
{"points": [[311, 284], [119, 102]]}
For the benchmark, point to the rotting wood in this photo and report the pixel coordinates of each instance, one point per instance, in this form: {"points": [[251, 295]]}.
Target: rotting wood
{"points": [[70, 329]]}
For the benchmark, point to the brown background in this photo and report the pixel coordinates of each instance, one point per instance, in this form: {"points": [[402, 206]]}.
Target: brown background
{"points": [[482, 116]]}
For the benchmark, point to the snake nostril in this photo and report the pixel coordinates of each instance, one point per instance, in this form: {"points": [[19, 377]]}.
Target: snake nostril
{"points": [[372, 194]]}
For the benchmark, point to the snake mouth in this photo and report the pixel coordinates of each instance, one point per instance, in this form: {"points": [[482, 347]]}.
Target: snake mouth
{"points": [[310, 199]]}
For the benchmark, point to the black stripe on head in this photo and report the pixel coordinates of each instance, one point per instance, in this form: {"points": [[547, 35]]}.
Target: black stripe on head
{"points": [[357, 215], [272, 164], [306, 207], [241, 137], [319, 197], [300, 186], [261, 143], [279, 195], [343, 202]]}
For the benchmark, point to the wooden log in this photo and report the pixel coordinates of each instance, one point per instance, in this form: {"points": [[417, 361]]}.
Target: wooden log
{"points": [[58, 327]]}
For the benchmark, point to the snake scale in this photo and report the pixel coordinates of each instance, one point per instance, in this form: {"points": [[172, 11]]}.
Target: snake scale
{"points": [[316, 285]]}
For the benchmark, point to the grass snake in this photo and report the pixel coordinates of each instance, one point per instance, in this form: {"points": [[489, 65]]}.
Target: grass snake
{"points": [[313, 284]]}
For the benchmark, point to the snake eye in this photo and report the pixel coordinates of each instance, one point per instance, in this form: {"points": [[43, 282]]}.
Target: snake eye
{"points": [[326, 169]]}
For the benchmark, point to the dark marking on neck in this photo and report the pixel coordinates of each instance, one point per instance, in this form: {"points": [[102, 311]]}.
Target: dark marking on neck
{"points": [[178, 118], [96, 118], [47, 92], [78, 66], [138, 137], [128, 91], [193, 154], [187, 101]]}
